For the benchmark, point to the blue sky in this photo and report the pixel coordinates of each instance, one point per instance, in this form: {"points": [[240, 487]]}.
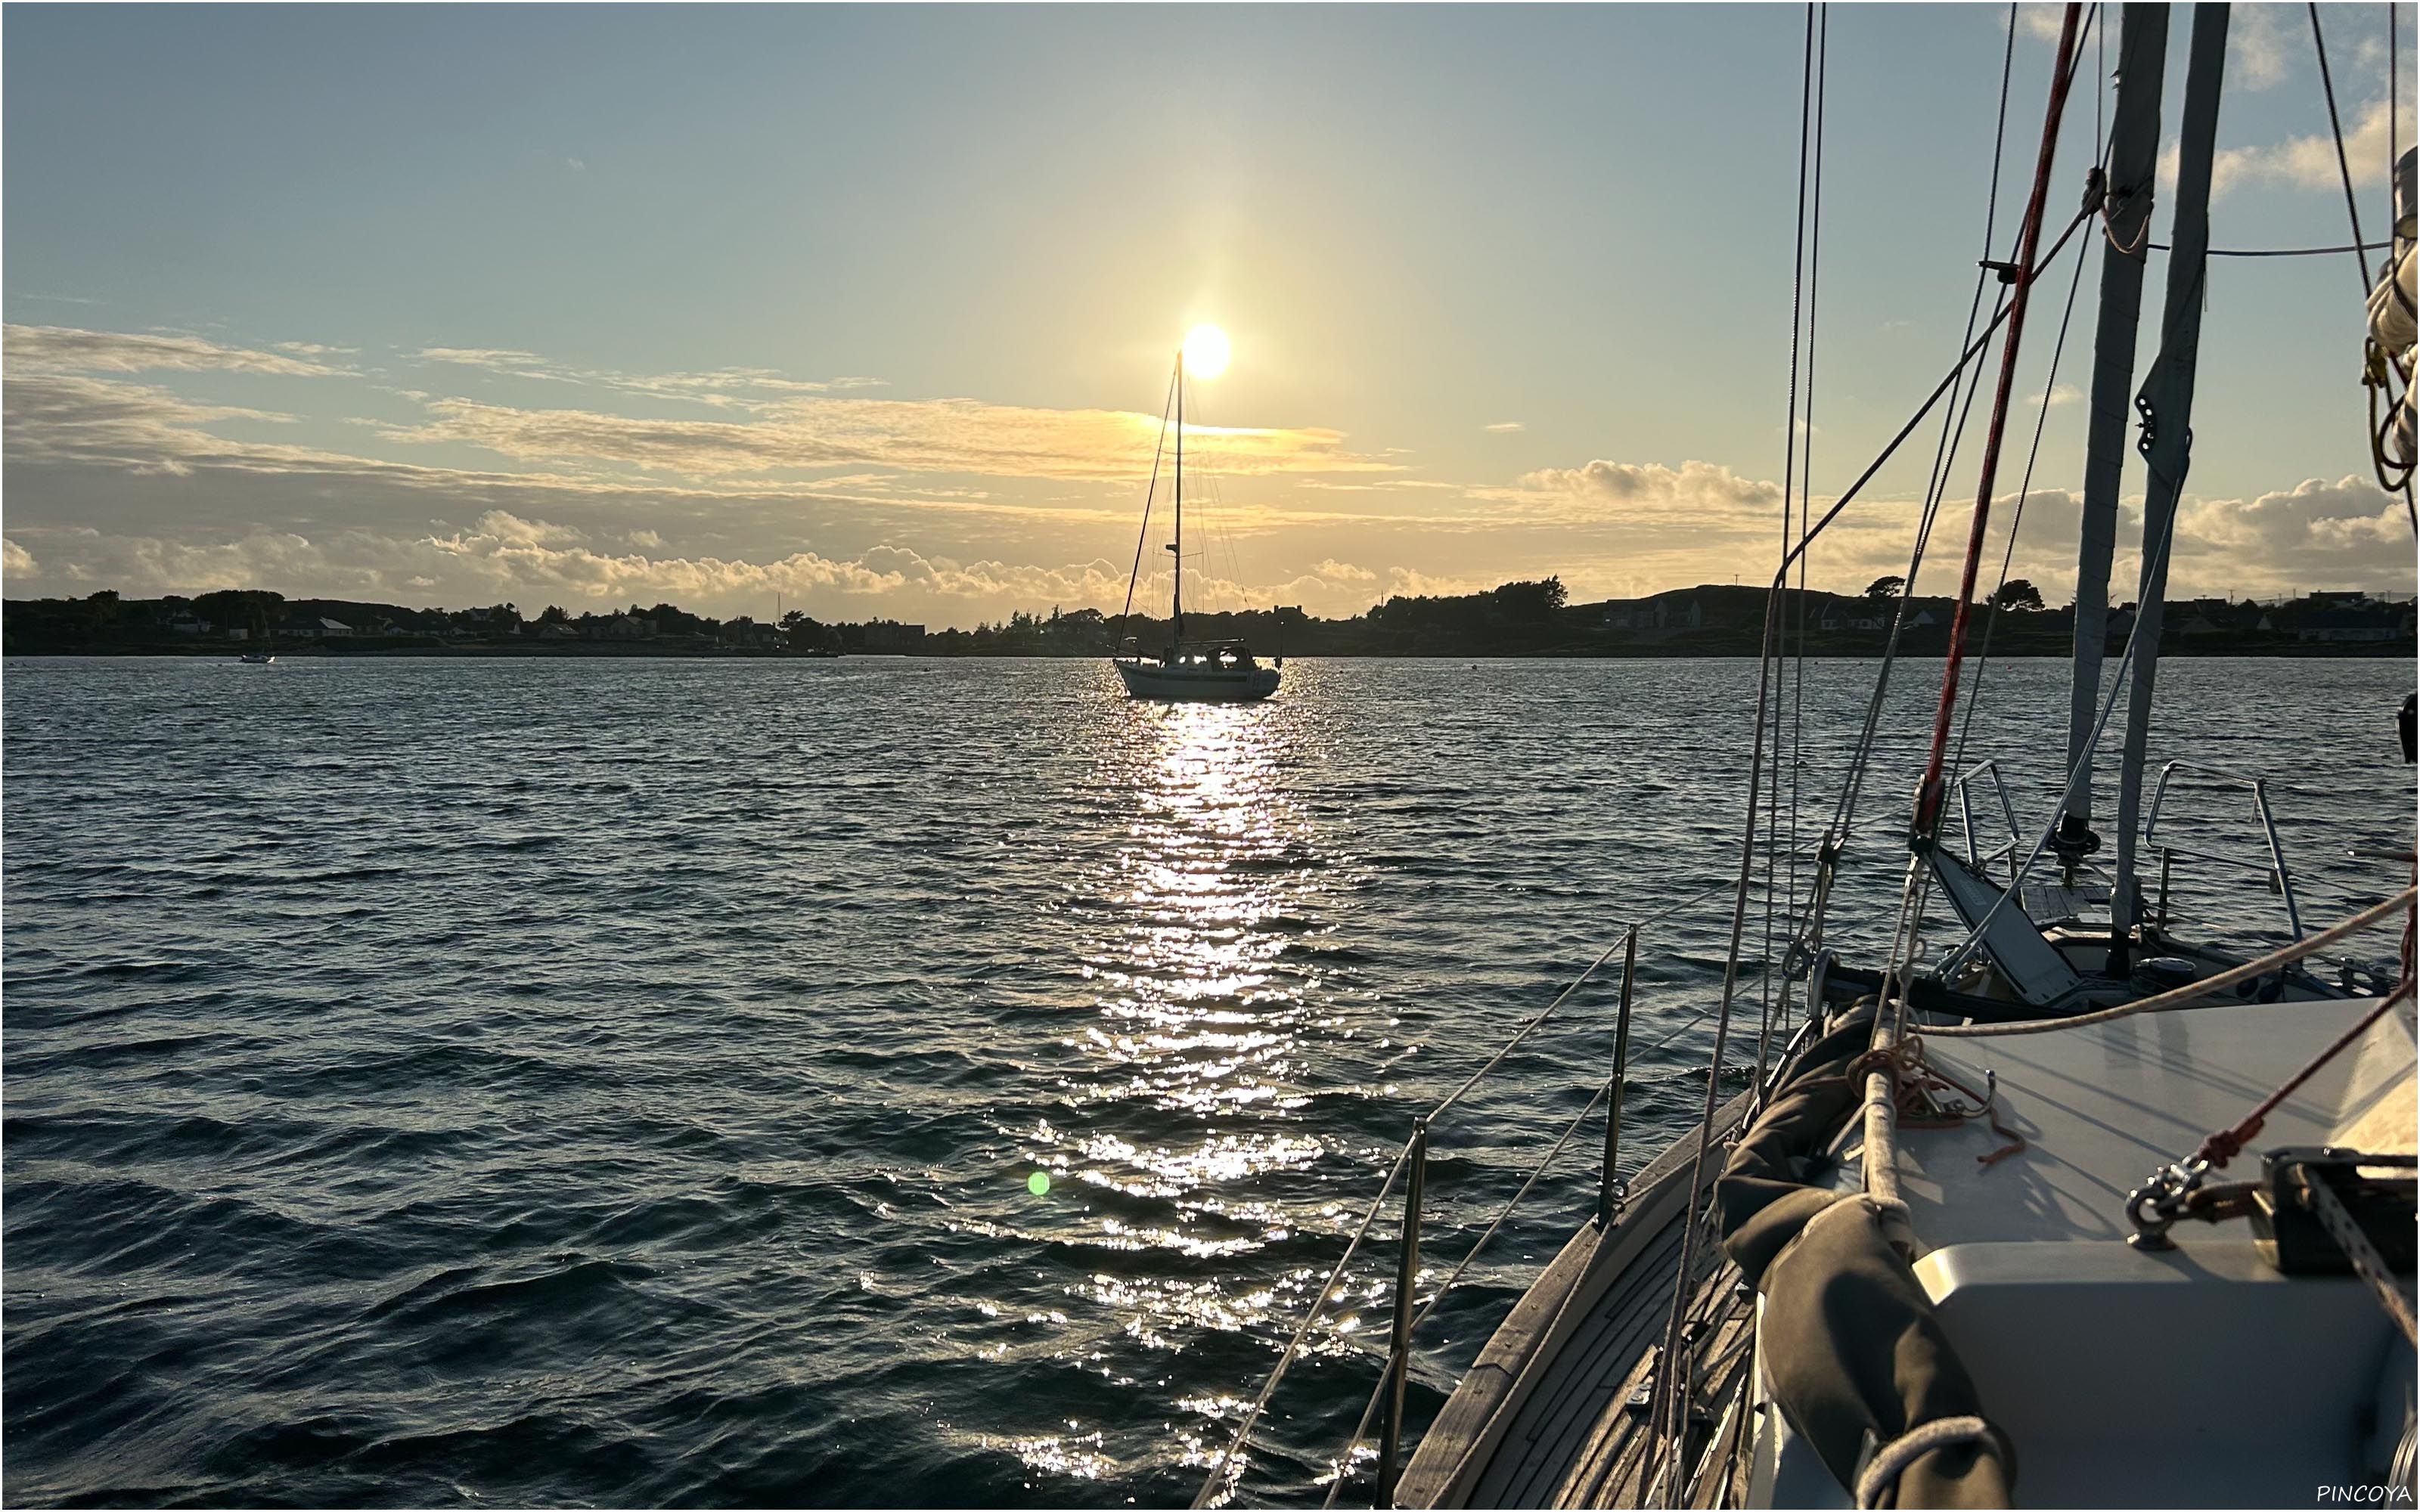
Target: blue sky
{"points": [[872, 307]]}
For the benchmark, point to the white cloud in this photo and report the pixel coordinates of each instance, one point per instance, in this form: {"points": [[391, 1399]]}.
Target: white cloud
{"points": [[723, 387], [66, 349], [2342, 533], [504, 557], [946, 435], [1696, 496], [2260, 41], [2305, 162], [54, 418], [1330, 570], [501, 357], [1503, 425], [2042, 22], [1407, 583], [947, 510]]}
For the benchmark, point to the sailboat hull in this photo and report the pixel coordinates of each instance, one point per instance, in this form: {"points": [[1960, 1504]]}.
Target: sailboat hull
{"points": [[1206, 683]]}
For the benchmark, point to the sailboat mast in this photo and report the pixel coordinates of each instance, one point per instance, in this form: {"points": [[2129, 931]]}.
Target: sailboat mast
{"points": [[2133, 162], [2166, 407], [1177, 597]]}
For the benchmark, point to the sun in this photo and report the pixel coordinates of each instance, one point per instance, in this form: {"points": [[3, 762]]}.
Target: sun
{"points": [[1205, 351]]}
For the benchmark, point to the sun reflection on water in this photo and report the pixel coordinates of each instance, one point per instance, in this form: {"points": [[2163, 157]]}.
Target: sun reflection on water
{"points": [[1207, 1011], [1194, 1010]]}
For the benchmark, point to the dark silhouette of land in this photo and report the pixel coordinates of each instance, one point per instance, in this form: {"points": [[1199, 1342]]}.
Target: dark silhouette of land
{"points": [[1519, 619]]}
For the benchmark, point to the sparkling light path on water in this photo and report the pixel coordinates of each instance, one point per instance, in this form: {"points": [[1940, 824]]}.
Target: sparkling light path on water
{"points": [[871, 1082]]}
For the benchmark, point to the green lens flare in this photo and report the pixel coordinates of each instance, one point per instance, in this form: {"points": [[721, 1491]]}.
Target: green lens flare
{"points": [[1038, 1184]]}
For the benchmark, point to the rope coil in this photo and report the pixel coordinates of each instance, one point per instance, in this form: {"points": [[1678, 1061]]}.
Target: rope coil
{"points": [[1920, 1083], [1880, 1478]]}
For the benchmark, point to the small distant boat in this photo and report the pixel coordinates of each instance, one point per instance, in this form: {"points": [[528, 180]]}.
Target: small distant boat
{"points": [[1200, 671], [259, 638]]}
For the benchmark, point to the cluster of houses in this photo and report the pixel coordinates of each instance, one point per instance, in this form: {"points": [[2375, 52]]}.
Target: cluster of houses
{"points": [[1669, 613], [1843, 616], [1633, 615], [432, 625], [2346, 616], [295, 627], [2350, 616]]}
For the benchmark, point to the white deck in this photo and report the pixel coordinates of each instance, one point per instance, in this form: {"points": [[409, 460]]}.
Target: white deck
{"points": [[2195, 1377], [2192, 1377], [2104, 1107]]}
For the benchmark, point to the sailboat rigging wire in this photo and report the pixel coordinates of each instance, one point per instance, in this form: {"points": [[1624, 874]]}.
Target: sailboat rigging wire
{"points": [[1144, 535], [1806, 507], [2344, 165], [1440, 1294], [2283, 252], [2101, 90], [1666, 1396], [1949, 385], [1862, 751], [1310, 1315], [1286, 1358], [1945, 457], [1844, 813], [2193, 992], [1880, 1165], [2017, 520], [1948, 380], [1915, 915], [1808, 145], [1928, 802], [1564, 997], [2156, 555]]}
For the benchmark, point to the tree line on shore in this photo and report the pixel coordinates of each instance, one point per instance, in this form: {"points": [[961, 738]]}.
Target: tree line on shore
{"points": [[1524, 618]]}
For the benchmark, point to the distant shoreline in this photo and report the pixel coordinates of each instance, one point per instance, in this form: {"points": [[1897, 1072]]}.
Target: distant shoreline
{"points": [[2186, 650], [1519, 620]]}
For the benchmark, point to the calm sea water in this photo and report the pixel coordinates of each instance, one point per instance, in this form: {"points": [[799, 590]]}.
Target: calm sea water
{"points": [[443, 1082]]}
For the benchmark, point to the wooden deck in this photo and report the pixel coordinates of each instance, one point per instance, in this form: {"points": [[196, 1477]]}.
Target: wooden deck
{"points": [[1584, 1397], [1543, 1418]]}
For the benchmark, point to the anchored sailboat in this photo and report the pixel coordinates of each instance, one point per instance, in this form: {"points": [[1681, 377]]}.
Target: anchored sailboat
{"points": [[263, 657], [1190, 672]]}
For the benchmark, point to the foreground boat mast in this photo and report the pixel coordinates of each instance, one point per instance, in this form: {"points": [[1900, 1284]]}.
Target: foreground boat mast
{"points": [[2133, 164], [2166, 407]]}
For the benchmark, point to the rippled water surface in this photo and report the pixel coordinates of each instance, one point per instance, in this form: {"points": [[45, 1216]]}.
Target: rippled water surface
{"points": [[877, 1081]]}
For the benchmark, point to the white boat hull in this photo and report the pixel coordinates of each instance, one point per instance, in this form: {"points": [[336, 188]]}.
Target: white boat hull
{"points": [[1205, 684]]}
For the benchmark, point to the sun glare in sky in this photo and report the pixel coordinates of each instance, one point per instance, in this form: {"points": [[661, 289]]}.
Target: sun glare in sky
{"points": [[1205, 351]]}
